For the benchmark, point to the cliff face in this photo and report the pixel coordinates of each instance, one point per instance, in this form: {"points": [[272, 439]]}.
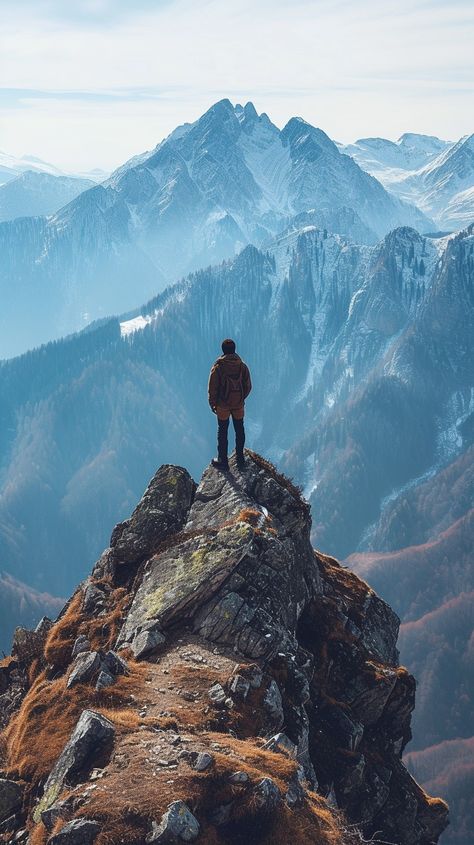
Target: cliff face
{"points": [[215, 679]]}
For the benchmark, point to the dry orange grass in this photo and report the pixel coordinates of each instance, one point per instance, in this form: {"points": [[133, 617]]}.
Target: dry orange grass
{"points": [[125, 808], [38, 732], [102, 631], [60, 640]]}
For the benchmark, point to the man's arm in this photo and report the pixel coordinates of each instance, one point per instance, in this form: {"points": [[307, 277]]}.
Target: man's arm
{"points": [[213, 386], [246, 381]]}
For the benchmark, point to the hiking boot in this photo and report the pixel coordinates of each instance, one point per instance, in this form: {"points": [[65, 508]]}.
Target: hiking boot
{"points": [[217, 464], [240, 461]]}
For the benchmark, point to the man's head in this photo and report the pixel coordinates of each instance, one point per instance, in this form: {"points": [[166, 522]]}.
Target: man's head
{"points": [[228, 346]]}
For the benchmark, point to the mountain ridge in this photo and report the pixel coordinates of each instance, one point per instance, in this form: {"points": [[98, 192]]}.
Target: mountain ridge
{"points": [[301, 737], [230, 178]]}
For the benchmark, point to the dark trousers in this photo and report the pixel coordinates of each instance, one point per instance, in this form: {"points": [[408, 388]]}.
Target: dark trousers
{"points": [[222, 442]]}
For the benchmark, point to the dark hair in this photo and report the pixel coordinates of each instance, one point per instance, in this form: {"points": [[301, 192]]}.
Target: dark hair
{"points": [[228, 346]]}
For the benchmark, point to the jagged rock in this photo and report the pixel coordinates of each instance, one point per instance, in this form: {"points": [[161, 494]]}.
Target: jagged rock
{"points": [[239, 687], [273, 705], [92, 734], [281, 743], [81, 644], [178, 823], [10, 797], [203, 761], [115, 664], [76, 832], [84, 668], [104, 680], [266, 795], [146, 641], [162, 511], [44, 626], [9, 666], [217, 695], [93, 599]]}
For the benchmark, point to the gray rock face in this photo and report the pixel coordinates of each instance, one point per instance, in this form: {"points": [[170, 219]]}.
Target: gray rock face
{"points": [[76, 832], [92, 734], [104, 680], [162, 511], [177, 824], [10, 797]]}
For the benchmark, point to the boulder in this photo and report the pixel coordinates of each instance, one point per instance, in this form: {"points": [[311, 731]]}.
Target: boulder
{"points": [[59, 810], [203, 761], [178, 823], [87, 744], [162, 510], [44, 626], [76, 832], [238, 777], [93, 599], [28, 645], [144, 642], [115, 664], [104, 680], [81, 644], [85, 666]]}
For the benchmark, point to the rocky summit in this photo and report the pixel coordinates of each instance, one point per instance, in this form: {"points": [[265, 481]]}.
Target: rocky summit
{"points": [[215, 680]]}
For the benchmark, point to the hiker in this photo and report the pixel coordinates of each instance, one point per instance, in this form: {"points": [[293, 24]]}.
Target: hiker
{"points": [[229, 386]]}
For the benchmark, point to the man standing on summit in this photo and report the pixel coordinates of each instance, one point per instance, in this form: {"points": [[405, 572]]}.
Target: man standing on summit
{"points": [[229, 386]]}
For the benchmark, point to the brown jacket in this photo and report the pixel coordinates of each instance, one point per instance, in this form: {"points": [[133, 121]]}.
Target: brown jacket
{"points": [[232, 366]]}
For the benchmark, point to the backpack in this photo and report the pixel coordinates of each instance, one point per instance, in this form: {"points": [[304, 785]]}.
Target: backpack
{"points": [[232, 390]]}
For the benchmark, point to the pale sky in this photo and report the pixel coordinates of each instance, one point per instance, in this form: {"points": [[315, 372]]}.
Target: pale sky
{"points": [[90, 83]]}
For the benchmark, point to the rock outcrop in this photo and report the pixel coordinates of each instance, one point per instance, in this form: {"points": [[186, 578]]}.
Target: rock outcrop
{"points": [[250, 689]]}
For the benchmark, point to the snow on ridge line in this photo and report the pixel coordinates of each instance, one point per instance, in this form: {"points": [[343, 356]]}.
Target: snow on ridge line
{"points": [[136, 324]]}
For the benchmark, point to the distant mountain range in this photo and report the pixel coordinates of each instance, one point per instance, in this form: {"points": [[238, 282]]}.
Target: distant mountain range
{"points": [[212, 186], [35, 193], [13, 166], [436, 176]]}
